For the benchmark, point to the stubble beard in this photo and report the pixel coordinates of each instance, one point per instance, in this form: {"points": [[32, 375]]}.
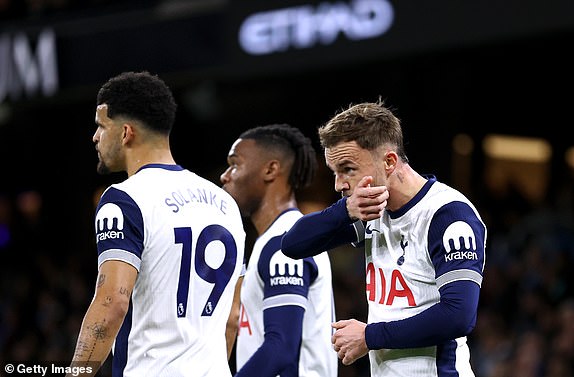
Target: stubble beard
{"points": [[102, 168]]}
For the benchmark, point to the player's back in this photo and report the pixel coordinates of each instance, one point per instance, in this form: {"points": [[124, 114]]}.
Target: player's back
{"points": [[193, 244]]}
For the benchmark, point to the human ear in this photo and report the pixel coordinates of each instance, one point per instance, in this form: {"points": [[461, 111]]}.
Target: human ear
{"points": [[390, 160], [271, 169], [128, 133]]}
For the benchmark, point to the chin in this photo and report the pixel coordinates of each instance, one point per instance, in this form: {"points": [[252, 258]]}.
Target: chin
{"points": [[103, 169]]}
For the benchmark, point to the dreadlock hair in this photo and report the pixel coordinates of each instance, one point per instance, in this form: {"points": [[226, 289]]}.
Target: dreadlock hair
{"points": [[291, 143]]}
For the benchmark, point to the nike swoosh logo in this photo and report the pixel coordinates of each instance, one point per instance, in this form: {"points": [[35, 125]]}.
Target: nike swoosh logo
{"points": [[370, 230]]}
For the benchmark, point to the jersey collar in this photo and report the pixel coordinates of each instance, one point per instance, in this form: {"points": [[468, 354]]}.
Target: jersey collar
{"points": [[431, 179], [162, 166]]}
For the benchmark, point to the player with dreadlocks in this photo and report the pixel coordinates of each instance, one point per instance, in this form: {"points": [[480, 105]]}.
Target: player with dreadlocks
{"points": [[286, 305]]}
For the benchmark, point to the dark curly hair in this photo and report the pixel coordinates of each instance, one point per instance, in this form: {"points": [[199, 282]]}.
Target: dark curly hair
{"points": [[140, 96], [289, 141]]}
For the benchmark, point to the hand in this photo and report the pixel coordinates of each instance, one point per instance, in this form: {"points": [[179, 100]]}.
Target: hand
{"points": [[349, 340], [367, 203]]}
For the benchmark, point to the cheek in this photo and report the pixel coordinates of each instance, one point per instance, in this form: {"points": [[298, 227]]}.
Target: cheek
{"points": [[103, 139], [105, 144], [353, 181], [236, 183]]}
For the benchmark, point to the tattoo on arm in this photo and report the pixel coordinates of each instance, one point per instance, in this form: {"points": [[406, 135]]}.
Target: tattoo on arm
{"points": [[85, 347], [124, 291], [83, 350], [101, 280], [99, 331]]}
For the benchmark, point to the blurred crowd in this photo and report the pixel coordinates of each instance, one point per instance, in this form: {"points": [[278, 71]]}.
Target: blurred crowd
{"points": [[526, 314], [31, 9], [525, 322], [46, 279]]}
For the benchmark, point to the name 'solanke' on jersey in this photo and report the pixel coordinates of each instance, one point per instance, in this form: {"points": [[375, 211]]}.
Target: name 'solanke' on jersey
{"points": [[178, 199], [109, 222]]}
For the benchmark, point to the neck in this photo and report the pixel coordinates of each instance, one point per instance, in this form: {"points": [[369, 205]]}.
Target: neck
{"points": [[270, 209], [144, 156], [406, 183]]}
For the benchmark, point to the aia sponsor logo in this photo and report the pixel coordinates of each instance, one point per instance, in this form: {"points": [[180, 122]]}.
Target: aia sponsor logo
{"points": [[386, 289], [244, 321], [109, 222], [459, 242]]}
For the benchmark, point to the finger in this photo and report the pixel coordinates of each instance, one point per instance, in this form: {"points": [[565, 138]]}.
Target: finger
{"points": [[382, 208], [385, 193], [370, 202], [379, 193], [347, 360], [339, 324], [365, 181], [373, 191]]}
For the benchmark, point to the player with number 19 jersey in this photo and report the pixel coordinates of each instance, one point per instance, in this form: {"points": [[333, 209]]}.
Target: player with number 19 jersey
{"points": [[185, 237]]}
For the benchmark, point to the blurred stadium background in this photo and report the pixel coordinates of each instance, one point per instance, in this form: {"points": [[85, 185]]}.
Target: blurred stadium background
{"points": [[484, 90]]}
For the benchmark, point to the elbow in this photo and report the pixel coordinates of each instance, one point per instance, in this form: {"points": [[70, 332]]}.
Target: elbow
{"points": [[463, 325], [468, 326], [122, 306], [116, 306], [118, 312]]}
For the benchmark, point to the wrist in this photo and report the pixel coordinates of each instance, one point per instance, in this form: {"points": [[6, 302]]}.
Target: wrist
{"points": [[353, 218]]}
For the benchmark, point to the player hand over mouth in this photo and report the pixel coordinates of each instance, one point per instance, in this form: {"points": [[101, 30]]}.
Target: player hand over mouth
{"points": [[367, 202]]}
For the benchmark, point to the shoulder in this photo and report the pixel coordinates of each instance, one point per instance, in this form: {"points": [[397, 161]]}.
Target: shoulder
{"points": [[441, 195]]}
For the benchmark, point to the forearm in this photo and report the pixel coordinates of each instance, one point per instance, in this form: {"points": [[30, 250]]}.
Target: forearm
{"points": [[454, 316], [230, 336], [279, 353], [97, 334], [319, 231], [233, 320]]}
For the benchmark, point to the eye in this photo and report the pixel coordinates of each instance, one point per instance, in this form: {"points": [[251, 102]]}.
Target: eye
{"points": [[232, 167], [344, 171]]}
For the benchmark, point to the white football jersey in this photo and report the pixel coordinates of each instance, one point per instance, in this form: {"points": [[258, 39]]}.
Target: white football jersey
{"points": [[401, 277], [272, 279], [185, 237]]}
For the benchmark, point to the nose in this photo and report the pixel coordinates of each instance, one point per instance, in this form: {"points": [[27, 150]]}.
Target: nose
{"points": [[224, 177], [340, 184]]}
